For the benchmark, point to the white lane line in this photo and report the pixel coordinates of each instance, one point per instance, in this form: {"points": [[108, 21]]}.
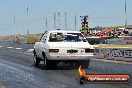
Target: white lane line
{"points": [[3, 87], [1, 46], [30, 50], [18, 48], [9, 47]]}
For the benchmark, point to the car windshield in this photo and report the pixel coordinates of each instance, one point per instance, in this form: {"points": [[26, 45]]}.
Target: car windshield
{"points": [[66, 37]]}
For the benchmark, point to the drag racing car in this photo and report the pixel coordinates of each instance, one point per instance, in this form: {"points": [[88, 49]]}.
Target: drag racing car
{"points": [[62, 46]]}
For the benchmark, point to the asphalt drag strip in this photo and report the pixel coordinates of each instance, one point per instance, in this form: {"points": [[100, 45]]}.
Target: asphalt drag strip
{"points": [[17, 71]]}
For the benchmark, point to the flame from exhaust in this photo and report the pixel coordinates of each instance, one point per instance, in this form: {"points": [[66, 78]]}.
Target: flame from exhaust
{"points": [[81, 71]]}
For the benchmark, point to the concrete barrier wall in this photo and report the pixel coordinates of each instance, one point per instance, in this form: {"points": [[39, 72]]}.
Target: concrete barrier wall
{"points": [[118, 54], [119, 40]]}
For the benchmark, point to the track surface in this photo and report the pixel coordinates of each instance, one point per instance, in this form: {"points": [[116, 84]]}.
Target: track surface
{"points": [[17, 70]]}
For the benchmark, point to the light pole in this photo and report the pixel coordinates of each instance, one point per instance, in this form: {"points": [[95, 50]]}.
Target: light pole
{"points": [[27, 18], [75, 21], [46, 23], [59, 20], [54, 21], [14, 17], [65, 21], [125, 15]]}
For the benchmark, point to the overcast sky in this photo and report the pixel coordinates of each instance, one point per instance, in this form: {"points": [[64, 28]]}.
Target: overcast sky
{"points": [[15, 20]]}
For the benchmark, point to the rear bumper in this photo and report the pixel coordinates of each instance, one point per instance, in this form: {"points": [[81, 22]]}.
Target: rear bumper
{"points": [[70, 57]]}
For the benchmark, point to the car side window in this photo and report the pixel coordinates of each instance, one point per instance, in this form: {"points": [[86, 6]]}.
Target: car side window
{"points": [[43, 38]]}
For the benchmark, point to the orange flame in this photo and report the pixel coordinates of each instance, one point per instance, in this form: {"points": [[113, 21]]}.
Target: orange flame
{"points": [[81, 71]]}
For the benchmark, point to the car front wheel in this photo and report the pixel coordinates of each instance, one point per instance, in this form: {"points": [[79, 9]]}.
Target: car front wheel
{"points": [[36, 61]]}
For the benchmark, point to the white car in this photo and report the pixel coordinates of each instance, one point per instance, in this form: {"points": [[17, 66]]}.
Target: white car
{"points": [[62, 46]]}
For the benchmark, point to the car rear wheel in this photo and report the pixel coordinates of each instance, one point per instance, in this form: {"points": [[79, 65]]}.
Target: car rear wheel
{"points": [[49, 64], [46, 62]]}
